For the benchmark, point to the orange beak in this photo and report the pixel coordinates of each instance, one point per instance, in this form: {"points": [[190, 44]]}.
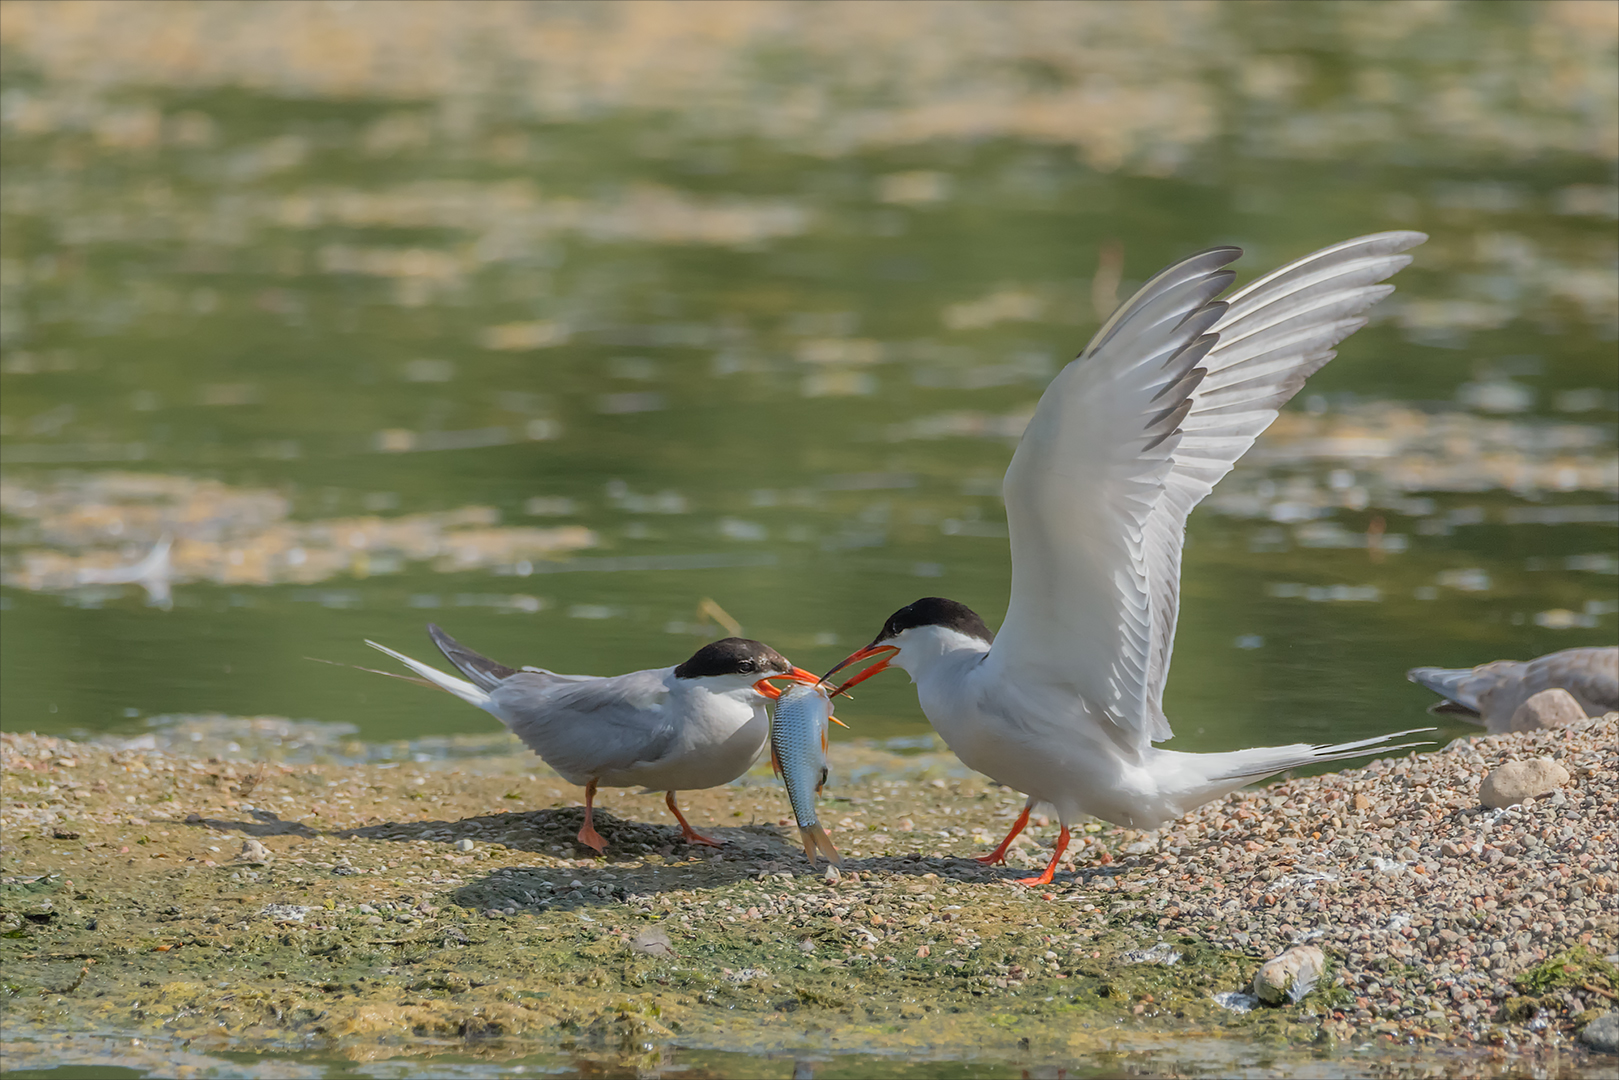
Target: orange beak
{"points": [[884, 651], [797, 675]]}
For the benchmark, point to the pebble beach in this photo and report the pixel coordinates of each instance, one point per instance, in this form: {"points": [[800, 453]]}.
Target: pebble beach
{"points": [[419, 907]]}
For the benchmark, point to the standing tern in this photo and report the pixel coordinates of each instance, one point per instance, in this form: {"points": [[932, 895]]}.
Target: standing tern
{"points": [[1065, 704], [671, 729]]}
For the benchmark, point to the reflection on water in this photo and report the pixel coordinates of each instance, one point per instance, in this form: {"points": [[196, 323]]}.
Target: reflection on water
{"points": [[552, 323]]}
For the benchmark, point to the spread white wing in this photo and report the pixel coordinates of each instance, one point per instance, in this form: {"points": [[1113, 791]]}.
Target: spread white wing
{"points": [[1129, 438]]}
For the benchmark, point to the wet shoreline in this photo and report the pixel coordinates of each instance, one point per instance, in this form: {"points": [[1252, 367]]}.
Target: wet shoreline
{"points": [[356, 911]]}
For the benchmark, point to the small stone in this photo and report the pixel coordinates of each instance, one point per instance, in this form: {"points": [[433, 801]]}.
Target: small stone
{"points": [[373, 920], [1289, 976], [1602, 1034], [463, 844], [832, 875], [1548, 709], [652, 942], [253, 852], [1516, 781]]}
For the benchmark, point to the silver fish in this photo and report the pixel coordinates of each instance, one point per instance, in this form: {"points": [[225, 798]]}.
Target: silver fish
{"points": [[798, 741]]}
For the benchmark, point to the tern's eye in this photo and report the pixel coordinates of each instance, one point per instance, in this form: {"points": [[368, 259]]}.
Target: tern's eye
{"points": [[745, 666]]}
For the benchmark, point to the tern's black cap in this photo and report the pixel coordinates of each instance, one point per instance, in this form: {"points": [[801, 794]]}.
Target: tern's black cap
{"points": [[936, 611], [733, 656]]}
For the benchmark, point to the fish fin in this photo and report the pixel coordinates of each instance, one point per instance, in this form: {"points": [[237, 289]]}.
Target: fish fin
{"points": [[821, 783], [815, 838], [775, 762], [838, 722]]}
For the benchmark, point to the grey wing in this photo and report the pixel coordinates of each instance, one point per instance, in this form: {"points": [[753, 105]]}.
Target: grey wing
{"points": [[584, 728], [1591, 675], [1495, 690], [1470, 688]]}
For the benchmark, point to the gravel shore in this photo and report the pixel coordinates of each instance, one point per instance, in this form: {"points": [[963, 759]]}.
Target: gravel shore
{"points": [[351, 905]]}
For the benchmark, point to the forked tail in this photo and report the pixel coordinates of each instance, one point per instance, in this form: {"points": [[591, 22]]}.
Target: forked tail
{"points": [[1187, 781], [815, 839], [1250, 765], [459, 687]]}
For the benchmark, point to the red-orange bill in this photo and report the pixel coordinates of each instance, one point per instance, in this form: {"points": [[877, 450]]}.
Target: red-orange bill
{"points": [[870, 651], [797, 675]]}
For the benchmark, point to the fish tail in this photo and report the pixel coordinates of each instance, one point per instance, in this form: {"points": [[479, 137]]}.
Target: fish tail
{"points": [[815, 839]]}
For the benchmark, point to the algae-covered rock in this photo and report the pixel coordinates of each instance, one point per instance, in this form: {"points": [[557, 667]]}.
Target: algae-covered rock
{"points": [[1290, 976]]}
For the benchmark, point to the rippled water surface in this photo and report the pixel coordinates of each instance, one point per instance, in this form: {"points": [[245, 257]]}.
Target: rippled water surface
{"points": [[592, 332]]}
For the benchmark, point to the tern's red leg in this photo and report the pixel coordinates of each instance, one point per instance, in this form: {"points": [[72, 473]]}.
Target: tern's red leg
{"points": [[1051, 867], [692, 835], [588, 834], [998, 856]]}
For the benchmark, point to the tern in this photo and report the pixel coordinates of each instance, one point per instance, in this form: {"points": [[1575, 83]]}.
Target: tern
{"points": [[1065, 703], [697, 725], [1491, 693]]}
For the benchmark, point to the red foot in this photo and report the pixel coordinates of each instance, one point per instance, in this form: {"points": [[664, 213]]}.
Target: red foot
{"points": [[588, 835], [998, 856], [692, 835], [1051, 867]]}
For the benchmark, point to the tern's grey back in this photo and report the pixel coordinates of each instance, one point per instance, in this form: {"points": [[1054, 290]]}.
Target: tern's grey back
{"points": [[589, 727]]}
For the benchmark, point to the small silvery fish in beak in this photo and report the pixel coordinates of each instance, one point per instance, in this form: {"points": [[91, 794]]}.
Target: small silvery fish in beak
{"points": [[798, 742]]}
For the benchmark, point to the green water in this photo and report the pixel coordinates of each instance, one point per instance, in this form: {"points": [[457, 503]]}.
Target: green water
{"points": [[255, 282]]}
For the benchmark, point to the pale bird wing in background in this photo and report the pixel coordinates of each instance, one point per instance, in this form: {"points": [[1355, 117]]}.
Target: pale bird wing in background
{"points": [[1495, 690], [1129, 437], [1590, 674]]}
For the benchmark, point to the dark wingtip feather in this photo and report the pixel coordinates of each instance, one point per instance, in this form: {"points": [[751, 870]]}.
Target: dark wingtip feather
{"points": [[486, 673]]}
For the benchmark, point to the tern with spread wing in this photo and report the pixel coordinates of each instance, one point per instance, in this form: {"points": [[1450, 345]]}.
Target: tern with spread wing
{"points": [[1065, 703], [697, 725]]}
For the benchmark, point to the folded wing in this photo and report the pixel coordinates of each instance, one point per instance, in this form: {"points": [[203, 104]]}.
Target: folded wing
{"points": [[589, 727]]}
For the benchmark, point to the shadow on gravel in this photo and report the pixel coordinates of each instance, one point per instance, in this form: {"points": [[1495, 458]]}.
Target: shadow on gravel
{"points": [[625, 871], [266, 824], [534, 890]]}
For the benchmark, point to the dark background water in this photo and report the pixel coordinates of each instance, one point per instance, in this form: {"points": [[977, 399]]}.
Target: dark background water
{"points": [[759, 295]]}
